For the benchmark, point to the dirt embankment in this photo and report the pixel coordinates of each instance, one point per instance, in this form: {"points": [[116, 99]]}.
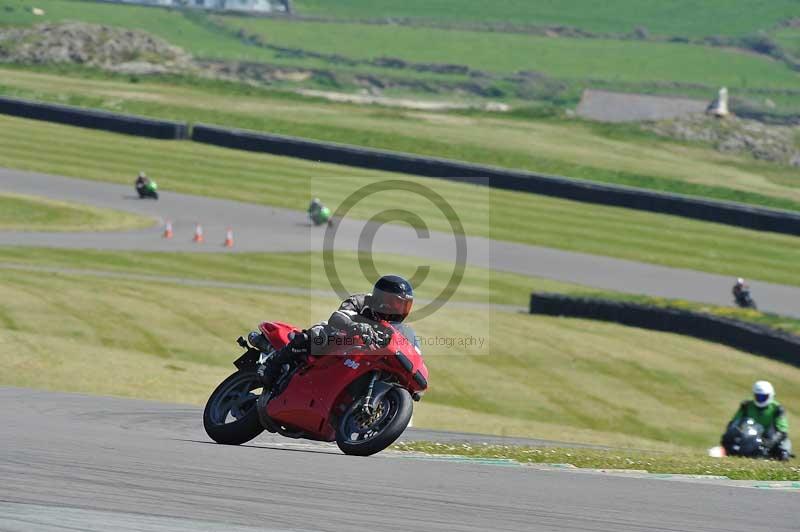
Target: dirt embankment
{"points": [[110, 48]]}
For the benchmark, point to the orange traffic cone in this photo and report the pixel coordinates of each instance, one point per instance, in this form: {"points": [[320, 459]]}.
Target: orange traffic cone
{"points": [[168, 229], [229, 238], [198, 234]]}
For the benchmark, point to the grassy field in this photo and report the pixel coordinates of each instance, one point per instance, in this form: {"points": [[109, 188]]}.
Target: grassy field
{"points": [[685, 463], [303, 270], [570, 380], [30, 213], [676, 18], [279, 270], [563, 58], [682, 17], [193, 168], [616, 154], [789, 39]]}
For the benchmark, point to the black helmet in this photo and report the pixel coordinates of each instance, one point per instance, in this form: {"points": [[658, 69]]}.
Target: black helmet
{"points": [[391, 298]]}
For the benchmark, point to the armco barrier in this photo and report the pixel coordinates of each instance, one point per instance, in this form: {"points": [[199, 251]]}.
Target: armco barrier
{"points": [[751, 217], [94, 119], [753, 338]]}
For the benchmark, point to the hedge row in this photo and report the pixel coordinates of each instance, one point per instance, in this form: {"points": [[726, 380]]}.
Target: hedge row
{"points": [[94, 119], [750, 337], [741, 215]]}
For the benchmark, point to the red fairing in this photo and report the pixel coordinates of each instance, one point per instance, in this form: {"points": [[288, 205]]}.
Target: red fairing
{"points": [[402, 344], [317, 394], [277, 332]]}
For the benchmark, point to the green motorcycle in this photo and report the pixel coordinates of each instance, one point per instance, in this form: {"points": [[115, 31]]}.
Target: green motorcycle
{"points": [[147, 190], [320, 216]]}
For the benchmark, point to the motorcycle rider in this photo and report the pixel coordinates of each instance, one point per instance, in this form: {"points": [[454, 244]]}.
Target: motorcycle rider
{"points": [[391, 300], [740, 292], [768, 413], [142, 182], [314, 207]]}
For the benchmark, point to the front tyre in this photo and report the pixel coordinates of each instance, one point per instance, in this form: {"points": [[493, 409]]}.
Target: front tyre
{"points": [[360, 434], [230, 416]]}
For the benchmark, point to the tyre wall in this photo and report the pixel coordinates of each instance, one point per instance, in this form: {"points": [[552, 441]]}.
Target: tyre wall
{"points": [[753, 338], [94, 119]]}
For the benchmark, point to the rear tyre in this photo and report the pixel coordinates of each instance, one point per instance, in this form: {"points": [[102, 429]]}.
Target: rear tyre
{"points": [[230, 416], [360, 435]]}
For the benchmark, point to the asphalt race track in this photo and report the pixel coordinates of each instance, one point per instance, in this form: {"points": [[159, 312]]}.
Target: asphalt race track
{"points": [[72, 462], [259, 228]]}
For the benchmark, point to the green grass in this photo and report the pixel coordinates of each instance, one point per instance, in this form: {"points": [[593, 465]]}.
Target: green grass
{"points": [[563, 58], [205, 170], [681, 17], [615, 154], [562, 379], [788, 39], [684, 18], [289, 270], [306, 270], [683, 463], [30, 213]]}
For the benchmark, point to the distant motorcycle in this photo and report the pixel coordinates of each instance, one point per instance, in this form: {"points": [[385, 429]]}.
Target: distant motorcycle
{"points": [[147, 190], [320, 216], [745, 300]]}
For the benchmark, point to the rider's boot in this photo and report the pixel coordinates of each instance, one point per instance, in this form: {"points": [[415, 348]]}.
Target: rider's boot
{"points": [[271, 369], [299, 345]]}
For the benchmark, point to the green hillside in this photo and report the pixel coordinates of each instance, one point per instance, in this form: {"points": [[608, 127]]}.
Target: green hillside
{"points": [[344, 52], [563, 58], [673, 17]]}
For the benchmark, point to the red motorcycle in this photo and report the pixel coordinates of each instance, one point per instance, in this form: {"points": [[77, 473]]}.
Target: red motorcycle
{"points": [[358, 395]]}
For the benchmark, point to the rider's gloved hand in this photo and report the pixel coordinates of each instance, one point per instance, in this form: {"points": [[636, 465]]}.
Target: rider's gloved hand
{"points": [[369, 335], [774, 440]]}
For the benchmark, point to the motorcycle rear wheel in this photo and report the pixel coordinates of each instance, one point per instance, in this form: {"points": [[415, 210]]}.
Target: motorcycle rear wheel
{"points": [[231, 416], [359, 437]]}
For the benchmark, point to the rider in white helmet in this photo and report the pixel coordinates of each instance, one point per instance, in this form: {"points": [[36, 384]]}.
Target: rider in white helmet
{"points": [[739, 287], [741, 294], [767, 412]]}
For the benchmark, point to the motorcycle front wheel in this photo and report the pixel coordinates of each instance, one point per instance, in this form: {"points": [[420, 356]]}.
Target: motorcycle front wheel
{"points": [[230, 416], [361, 434]]}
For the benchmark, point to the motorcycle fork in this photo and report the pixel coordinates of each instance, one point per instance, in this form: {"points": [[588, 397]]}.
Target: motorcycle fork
{"points": [[367, 408]]}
